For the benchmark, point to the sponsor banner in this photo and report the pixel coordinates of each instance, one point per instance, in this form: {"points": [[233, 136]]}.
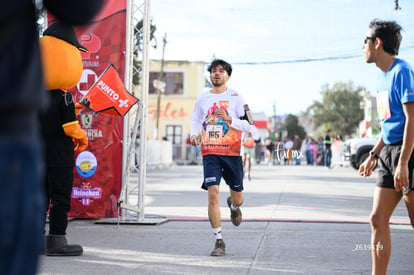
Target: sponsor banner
{"points": [[98, 170]]}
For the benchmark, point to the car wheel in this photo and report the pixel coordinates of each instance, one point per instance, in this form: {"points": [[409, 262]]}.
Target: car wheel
{"points": [[354, 165], [362, 158]]}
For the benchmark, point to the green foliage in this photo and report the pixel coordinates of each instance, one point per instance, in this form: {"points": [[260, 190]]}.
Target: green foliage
{"points": [[138, 35], [291, 125], [339, 110]]}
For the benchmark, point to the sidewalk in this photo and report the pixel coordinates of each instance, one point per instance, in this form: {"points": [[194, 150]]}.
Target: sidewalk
{"points": [[300, 220]]}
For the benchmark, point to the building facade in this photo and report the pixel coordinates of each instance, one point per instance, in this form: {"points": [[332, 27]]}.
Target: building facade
{"points": [[184, 81]]}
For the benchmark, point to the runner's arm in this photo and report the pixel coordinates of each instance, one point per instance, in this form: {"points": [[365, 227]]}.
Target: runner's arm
{"points": [[365, 169], [401, 180], [196, 125]]}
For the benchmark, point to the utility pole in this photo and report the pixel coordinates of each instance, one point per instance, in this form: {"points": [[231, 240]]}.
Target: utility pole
{"points": [[275, 126], [161, 79]]}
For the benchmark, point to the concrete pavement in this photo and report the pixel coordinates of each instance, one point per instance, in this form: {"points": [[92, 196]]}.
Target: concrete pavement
{"points": [[297, 219]]}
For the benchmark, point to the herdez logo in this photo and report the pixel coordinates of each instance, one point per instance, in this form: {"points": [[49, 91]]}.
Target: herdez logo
{"points": [[86, 164]]}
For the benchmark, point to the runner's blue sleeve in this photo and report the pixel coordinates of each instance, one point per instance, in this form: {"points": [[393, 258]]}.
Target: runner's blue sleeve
{"points": [[406, 78]]}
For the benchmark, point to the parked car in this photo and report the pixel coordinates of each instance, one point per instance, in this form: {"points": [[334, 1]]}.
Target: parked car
{"points": [[356, 150]]}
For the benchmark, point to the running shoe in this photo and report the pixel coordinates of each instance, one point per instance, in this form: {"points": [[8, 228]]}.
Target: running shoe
{"points": [[220, 248], [236, 215]]}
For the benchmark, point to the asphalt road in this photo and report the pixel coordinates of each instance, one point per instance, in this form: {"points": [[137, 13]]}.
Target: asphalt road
{"points": [[296, 220]]}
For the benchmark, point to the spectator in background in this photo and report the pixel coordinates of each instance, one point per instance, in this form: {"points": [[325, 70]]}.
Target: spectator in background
{"points": [[394, 149], [309, 150], [320, 159], [337, 151], [313, 149], [288, 145], [22, 97], [328, 149], [297, 149], [277, 146], [247, 153], [269, 144], [258, 150]]}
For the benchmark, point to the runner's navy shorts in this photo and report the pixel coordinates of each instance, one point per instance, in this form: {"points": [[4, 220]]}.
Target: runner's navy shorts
{"points": [[388, 163], [230, 168]]}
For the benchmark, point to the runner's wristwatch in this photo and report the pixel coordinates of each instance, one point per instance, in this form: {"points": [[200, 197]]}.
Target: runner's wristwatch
{"points": [[373, 154]]}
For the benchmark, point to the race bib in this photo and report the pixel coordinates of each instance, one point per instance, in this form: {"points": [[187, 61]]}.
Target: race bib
{"points": [[383, 105], [214, 133]]}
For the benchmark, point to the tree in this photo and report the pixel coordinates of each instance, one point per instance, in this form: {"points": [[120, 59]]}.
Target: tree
{"points": [[291, 125], [340, 108], [138, 33]]}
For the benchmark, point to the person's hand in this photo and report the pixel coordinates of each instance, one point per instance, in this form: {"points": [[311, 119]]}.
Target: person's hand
{"points": [[79, 107], [365, 169], [81, 144], [223, 114], [195, 140], [401, 180], [80, 139]]}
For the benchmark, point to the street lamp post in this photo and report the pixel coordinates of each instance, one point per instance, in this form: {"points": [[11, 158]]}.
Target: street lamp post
{"points": [[161, 79]]}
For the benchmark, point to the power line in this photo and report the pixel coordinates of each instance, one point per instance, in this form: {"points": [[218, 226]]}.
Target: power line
{"points": [[303, 60], [297, 60]]}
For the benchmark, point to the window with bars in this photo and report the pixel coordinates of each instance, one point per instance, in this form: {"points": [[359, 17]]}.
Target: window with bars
{"points": [[174, 82]]}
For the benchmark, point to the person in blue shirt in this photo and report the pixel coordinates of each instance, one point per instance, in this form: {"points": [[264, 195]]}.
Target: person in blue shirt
{"points": [[394, 149]]}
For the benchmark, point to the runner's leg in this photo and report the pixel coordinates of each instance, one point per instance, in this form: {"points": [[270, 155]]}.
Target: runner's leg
{"points": [[236, 197], [409, 203], [213, 206], [385, 201]]}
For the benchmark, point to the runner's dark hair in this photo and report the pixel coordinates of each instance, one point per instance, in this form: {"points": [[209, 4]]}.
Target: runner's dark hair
{"points": [[217, 62]]}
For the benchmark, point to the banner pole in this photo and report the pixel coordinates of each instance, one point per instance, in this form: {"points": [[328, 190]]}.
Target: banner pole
{"points": [[144, 117], [141, 120], [127, 139]]}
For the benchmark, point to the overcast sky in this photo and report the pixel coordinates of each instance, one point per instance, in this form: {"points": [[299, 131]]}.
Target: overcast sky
{"points": [[271, 43]]}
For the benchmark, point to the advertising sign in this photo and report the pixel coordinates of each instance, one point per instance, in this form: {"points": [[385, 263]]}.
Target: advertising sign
{"points": [[98, 170]]}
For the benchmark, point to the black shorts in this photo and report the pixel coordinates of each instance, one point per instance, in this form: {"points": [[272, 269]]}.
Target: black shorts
{"points": [[229, 167], [388, 163]]}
